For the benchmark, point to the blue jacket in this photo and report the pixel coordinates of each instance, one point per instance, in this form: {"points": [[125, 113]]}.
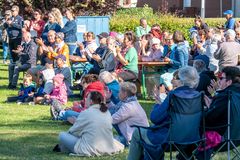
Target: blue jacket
{"points": [[100, 51], [26, 91], [230, 24], [179, 58], [70, 31], [159, 114], [114, 88], [15, 29], [54, 26]]}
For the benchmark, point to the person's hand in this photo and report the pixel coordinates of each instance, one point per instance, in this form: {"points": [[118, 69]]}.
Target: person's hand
{"points": [[208, 101], [199, 45], [9, 22], [20, 48], [96, 57], [30, 94], [166, 59], [80, 45], [20, 93], [47, 96], [50, 49], [91, 50], [39, 41]]}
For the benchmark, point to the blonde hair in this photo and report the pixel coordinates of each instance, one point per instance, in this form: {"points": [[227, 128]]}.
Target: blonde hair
{"points": [[58, 16], [15, 7], [27, 77]]}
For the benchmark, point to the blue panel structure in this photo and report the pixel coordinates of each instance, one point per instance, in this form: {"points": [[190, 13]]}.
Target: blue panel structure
{"points": [[96, 24]]}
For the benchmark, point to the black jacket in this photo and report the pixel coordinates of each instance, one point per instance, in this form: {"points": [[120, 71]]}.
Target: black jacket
{"points": [[217, 112], [15, 29]]}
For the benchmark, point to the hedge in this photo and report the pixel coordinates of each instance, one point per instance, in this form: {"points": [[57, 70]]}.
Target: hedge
{"points": [[128, 19]]}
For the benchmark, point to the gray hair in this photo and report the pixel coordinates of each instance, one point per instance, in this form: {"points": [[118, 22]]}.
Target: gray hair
{"points": [[129, 88], [199, 65], [106, 77], [189, 76]]}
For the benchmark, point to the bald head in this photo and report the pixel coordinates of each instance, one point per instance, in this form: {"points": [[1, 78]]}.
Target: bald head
{"points": [[26, 37]]}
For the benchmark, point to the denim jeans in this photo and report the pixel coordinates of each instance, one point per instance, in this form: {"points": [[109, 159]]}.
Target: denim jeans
{"points": [[13, 72], [72, 48], [135, 149], [120, 136], [68, 113], [5, 50], [67, 142]]}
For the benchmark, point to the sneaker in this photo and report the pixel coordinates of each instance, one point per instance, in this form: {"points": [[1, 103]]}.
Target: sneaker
{"points": [[31, 103], [78, 81], [19, 103], [56, 148], [53, 113]]}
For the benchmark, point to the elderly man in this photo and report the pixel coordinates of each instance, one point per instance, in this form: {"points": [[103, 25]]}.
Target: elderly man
{"points": [[230, 24], [228, 51], [27, 59], [14, 28], [42, 54], [144, 28]]}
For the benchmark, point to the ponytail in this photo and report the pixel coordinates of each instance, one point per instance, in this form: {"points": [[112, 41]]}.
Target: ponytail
{"points": [[103, 107], [97, 98]]}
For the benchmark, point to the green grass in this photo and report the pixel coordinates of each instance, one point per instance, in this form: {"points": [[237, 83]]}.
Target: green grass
{"points": [[26, 132]]}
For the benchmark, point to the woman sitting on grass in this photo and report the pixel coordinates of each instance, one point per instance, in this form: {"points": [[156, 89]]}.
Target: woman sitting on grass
{"points": [[91, 134]]}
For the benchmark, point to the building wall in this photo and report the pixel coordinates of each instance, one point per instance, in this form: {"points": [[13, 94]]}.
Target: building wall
{"points": [[212, 7]]}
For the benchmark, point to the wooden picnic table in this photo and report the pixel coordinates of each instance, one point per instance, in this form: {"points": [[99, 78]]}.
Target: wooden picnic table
{"points": [[155, 65]]}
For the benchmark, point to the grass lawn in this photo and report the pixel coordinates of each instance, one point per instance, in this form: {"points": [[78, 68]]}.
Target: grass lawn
{"points": [[26, 132]]}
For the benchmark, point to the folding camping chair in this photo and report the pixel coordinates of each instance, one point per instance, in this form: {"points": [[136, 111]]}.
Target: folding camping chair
{"points": [[186, 115], [231, 137]]}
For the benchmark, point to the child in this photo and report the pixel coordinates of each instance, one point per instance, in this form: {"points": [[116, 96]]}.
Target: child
{"points": [[39, 96], [48, 75], [58, 96], [26, 91]]}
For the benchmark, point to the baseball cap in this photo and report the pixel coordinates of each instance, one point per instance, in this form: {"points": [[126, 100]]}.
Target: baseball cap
{"points": [[103, 35], [61, 56], [204, 58], [228, 12], [155, 41]]}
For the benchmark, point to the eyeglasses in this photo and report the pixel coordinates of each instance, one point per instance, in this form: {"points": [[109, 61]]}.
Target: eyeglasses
{"points": [[221, 78], [13, 10]]}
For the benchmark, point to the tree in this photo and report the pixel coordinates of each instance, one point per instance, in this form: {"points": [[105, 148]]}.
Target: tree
{"points": [[80, 7]]}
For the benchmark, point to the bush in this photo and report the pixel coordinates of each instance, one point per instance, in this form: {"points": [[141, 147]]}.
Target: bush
{"points": [[128, 19]]}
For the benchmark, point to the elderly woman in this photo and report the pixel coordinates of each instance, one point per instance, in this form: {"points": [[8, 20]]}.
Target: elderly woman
{"points": [[129, 113], [189, 79], [91, 136], [129, 61], [59, 48]]}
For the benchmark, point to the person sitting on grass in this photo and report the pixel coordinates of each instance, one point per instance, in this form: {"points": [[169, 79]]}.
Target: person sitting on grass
{"points": [[89, 83], [91, 134], [129, 113], [58, 96], [38, 97], [26, 91]]}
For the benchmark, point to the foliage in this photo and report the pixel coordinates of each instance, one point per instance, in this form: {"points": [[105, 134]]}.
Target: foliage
{"points": [[128, 19], [80, 7]]}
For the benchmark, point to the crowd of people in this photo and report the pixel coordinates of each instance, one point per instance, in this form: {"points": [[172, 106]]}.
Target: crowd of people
{"points": [[52, 59]]}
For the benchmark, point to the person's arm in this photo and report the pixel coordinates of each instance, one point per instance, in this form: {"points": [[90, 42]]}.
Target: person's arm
{"points": [[79, 125], [122, 114], [159, 112], [68, 27], [231, 24], [39, 27], [218, 52], [19, 23]]}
